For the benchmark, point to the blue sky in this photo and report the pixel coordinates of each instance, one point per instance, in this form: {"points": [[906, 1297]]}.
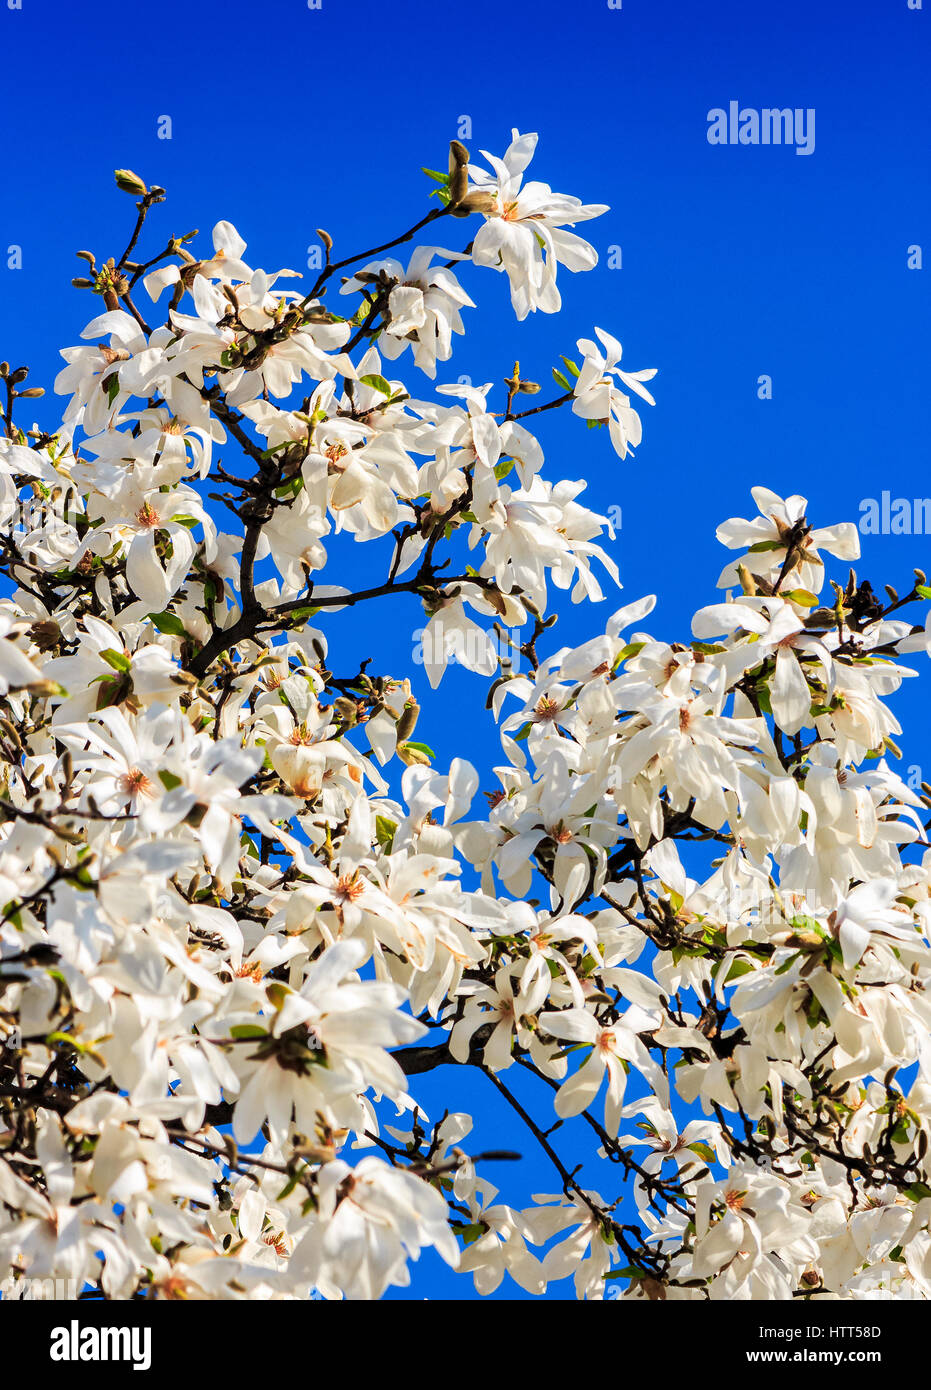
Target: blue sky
{"points": [[737, 261]]}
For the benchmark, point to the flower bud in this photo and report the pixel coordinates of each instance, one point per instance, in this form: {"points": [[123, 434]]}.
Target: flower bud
{"points": [[458, 185], [346, 710], [805, 941], [130, 182], [411, 756], [747, 581], [479, 200], [458, 156], [408, 721]]}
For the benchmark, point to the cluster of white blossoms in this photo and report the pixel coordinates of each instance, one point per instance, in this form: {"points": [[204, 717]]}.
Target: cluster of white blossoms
{"points": [[243, 910]]}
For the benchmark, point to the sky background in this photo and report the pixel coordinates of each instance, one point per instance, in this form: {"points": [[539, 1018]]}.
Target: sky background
{"points": [[737, 261]]}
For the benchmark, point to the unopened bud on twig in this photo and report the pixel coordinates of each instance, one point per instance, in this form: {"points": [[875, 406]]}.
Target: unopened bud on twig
{"points": [[408, 721], [130, 182], [458, 172], [747, 581]]}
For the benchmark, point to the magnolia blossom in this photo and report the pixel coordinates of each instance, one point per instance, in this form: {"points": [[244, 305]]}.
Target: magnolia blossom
{"points": [[424, 305], [781, 544], [264, 894], [612, 1045], [524, 234], [597, 398]]}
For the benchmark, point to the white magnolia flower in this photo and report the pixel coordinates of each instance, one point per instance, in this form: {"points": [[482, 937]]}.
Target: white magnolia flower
{"points": [[782, 545], [612, 1045], [424, 305], [525, 234], [597, 398]]}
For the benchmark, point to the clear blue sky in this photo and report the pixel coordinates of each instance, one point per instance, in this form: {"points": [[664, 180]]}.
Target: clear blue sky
{"points": [[737, 261]]}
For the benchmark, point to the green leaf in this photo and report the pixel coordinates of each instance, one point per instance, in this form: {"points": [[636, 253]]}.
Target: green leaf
{"points": [[570, 365], [802, 597], [762, 695], [113, 690], [168, 623], [813, 1012], [469, 1233], [421, 748], [248, 1030], [377, 383], [923, 590], [632, 649], [118, 660], [435, 175], [738, 968], [112, 384], [561, 380], [169, 781], [384, 832]]}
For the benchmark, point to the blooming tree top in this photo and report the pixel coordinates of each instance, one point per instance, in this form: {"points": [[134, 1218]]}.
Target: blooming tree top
{"points": [[244, 909]]}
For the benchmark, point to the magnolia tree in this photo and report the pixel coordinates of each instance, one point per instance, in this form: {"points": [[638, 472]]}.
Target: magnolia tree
{"points": [[244, 910]]}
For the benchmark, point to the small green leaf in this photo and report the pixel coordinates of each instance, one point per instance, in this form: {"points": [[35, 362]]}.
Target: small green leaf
{"points": [[377, 383], [300, 615], [112, 690], [632, 649], [168, 623], [738, 968], [802, 597], [469, 1233], [384, 832], [118, 660], [762, 695], [421, 748]]}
